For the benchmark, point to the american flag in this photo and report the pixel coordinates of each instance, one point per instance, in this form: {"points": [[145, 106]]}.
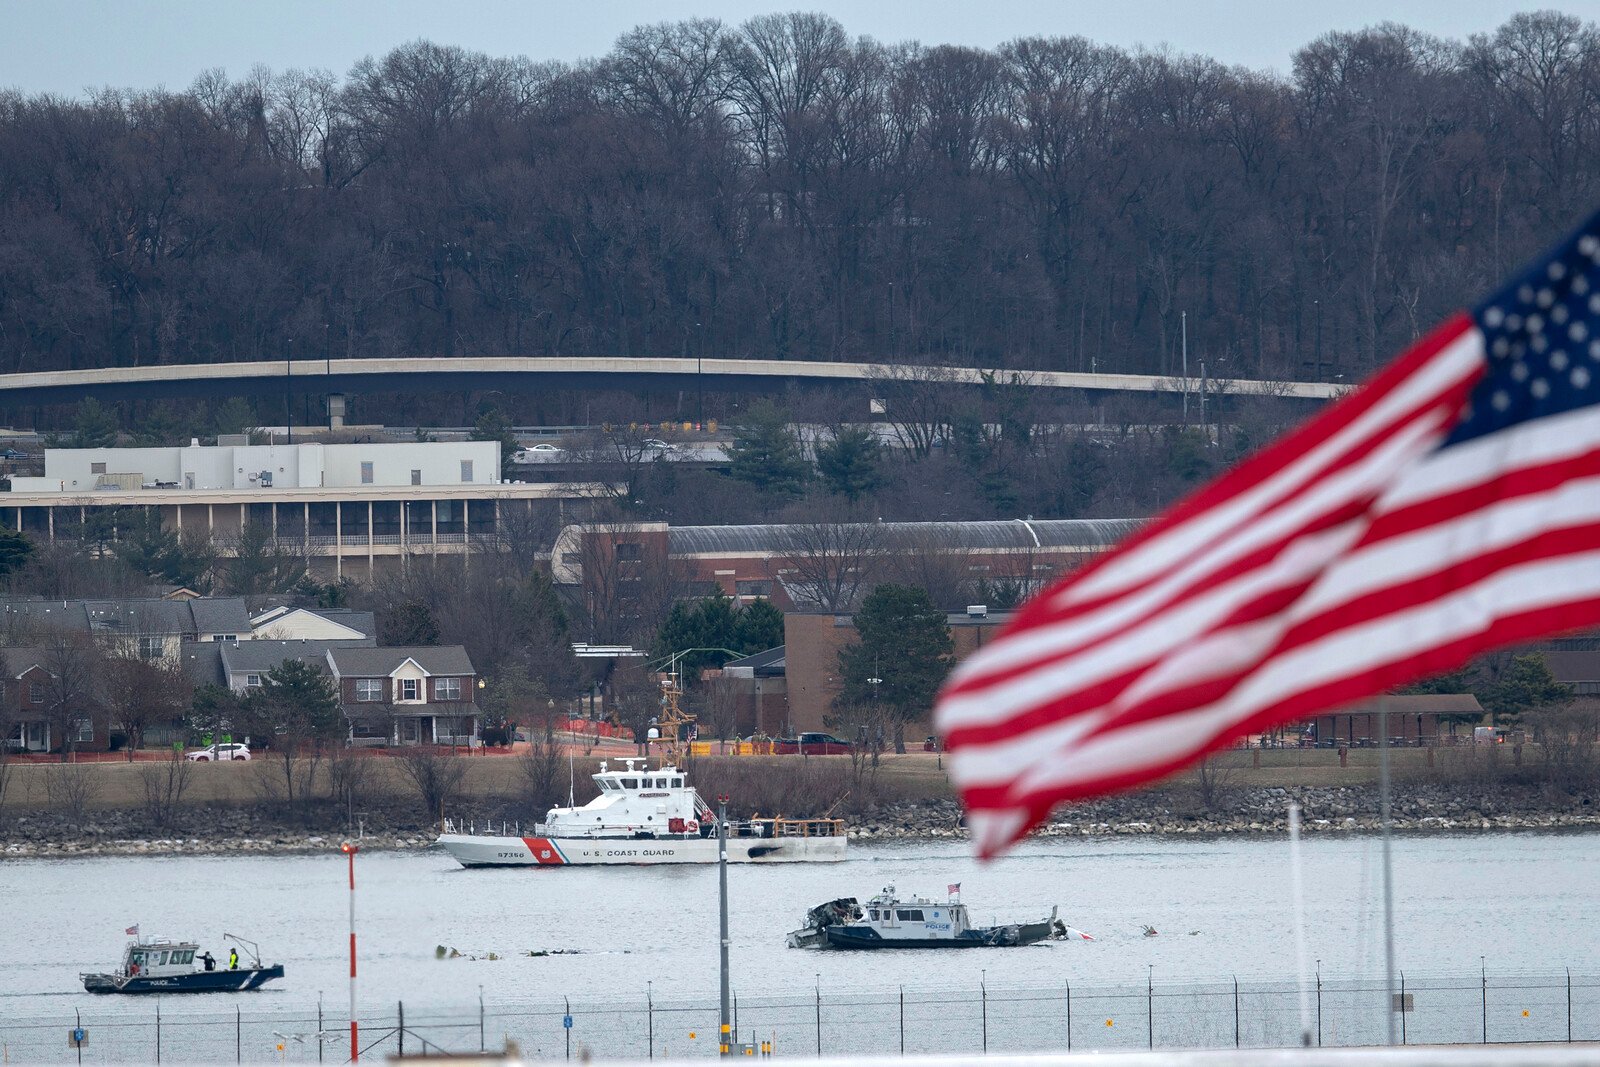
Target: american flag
{"points": [[133, 930], [953, 889], [1448, 506]]}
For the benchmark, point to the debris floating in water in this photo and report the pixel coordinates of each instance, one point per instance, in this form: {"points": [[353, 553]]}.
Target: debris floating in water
{"points": [[441, 952], [1150, 931]]}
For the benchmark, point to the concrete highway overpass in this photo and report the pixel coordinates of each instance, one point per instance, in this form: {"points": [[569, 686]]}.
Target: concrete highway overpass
{"points": [[526, 374]]}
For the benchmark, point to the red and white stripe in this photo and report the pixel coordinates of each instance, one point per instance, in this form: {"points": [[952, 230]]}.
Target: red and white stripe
{"points": [[1348, 558]]}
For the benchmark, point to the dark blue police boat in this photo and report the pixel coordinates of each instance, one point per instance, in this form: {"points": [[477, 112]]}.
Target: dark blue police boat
{"points": [[889, 921], [161, 966]]}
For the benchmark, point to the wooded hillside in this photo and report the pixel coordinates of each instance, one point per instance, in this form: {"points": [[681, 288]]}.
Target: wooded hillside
{"points": [[781, 188]]}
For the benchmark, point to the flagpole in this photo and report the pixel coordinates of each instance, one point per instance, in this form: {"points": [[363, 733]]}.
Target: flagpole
{"points": [[1298, 884], [1388, 868]]}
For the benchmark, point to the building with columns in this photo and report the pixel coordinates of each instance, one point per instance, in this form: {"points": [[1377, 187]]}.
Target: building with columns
{"points": [[350, 508]]}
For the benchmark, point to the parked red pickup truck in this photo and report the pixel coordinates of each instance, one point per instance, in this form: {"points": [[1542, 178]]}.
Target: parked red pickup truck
{"points": [[811, 745]]}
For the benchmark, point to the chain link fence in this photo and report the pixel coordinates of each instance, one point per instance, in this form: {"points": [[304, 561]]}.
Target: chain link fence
{"points": [[1229, 1013]]}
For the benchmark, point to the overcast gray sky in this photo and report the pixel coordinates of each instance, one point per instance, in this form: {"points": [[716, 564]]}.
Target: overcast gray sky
{"points": [[69, 46]]}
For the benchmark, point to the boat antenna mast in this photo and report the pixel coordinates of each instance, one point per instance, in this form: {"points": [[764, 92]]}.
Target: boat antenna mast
{"points": [[255, 949], [674, 723]]}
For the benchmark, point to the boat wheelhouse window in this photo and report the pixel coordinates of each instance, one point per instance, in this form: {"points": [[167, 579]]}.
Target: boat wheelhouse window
{"points": [[874, 914], [630, 783], [157, 959], [677, 783], [911, 915], [661, 783]]}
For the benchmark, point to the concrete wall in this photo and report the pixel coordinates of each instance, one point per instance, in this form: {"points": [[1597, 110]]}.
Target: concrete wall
{"points": [[72, 467], [392, 464]]}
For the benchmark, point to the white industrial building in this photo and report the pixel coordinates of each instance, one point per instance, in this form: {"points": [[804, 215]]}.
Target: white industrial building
{"points": [[310, 465], [346, 506]]}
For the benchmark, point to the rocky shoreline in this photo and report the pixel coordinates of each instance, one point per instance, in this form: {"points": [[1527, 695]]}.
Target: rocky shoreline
{"points": [[1416, 809]]}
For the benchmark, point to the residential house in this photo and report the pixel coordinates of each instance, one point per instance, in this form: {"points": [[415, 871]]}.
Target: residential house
{"points": [[145, 627], [243, 667], [285, 623], [407, 695], [28, 719]]}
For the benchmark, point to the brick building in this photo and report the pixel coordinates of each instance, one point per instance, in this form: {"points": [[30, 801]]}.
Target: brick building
{"points": [[1413, 719], [812, 641], [822, 565]]}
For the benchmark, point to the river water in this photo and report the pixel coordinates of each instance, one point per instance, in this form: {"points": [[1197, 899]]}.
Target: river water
{"points": [[1220, 908]]}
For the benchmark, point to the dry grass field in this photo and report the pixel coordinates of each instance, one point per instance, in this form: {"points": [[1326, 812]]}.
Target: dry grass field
{"points": [[765, 784]]}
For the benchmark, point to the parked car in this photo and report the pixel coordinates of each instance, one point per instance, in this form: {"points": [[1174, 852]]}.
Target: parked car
{"points": [[220, 752], [13, 454], [653, 445], [811, 745], [542, 452]]}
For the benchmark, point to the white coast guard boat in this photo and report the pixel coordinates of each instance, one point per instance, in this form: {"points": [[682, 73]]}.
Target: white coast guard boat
{"points": [[647, 816]]}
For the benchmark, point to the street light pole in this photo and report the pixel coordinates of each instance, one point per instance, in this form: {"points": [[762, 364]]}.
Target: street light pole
{"points": [[722, 871], [350, 850], [877, 722]]}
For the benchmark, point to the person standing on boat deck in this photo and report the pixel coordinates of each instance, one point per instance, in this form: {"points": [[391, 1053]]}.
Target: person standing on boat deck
{"points": [[209, 960], [233, 959]]}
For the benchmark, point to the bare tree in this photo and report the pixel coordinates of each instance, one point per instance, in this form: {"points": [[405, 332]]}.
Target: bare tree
{"points": [[163, 784], [868, 727], [436, 777], [1569, 738], [351, 774], [630, 581], [72, 689], [539, 775], [719, 709], [830, 564], [139, 693], [919, 404], [71, 789], [926, 556], [1213, 780]]}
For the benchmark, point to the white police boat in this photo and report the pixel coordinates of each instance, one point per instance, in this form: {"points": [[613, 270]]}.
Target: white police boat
{"points": [[161, 966], [888, 921], [645, 816]]}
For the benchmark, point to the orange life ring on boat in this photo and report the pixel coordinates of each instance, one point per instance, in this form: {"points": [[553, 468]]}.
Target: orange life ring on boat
{"points": [[692, 826]]}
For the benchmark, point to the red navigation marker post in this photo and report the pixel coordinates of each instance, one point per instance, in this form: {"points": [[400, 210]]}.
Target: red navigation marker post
{"points": [[350, 850]]}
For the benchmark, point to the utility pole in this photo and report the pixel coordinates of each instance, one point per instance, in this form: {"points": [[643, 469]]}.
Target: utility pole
{"points": [[725, 1037], [1184, 325], [288, 392]]}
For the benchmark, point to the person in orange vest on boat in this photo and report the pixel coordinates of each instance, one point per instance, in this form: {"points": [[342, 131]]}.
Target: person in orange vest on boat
{"points": [[233, 959]]}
